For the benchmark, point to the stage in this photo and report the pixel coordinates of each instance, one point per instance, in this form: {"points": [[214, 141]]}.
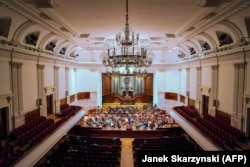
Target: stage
{"points": [[121, 133]]}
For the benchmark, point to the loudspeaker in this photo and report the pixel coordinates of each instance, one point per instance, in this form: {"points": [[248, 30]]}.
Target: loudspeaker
{"points": [[216, 103], [187, 93], [66, 93], [39, 101]]}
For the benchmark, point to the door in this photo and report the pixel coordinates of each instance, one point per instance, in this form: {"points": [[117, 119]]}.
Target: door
{"points": [[49, 99], [3, 122], [205, 103], [248, 122]]}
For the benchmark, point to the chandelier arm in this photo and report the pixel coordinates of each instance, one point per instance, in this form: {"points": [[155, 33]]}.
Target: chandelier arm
{"points": [[124, 53]]}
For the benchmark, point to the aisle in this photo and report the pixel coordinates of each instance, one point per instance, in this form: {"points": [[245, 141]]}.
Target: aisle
{"points": [[127, 153]]}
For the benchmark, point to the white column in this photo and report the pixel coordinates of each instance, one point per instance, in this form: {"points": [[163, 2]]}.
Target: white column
{"points": [[236, 85], [187, 85], [214, 89], [237, 115], [18, 116], [56, 94], [179, 86], [241, 90], [75, 71], [14, 88], [20, 88], [41, 92], [67, 84]]}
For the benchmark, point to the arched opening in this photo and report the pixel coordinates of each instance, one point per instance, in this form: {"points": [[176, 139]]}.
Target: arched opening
{"points": [[224, 38], [204, 45], [50, 46], [32, 38]]}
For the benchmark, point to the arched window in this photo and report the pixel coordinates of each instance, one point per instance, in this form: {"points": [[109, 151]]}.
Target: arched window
{"points": [[192, 51], [32, 38], [63, 51], [204, 45], [224, 38], [50, 46]]}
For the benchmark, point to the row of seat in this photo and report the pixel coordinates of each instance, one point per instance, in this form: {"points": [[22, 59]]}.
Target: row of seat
{"points": [[22, 138], [45, 132], [27, 126], [63, 106], [210, 133], [226, 126], [179, 143], [173, 143], [187, 111], [229, 138], [84, 151], [9, 154], [182, 113], [33, 131], [68, 111], [30, 133]]}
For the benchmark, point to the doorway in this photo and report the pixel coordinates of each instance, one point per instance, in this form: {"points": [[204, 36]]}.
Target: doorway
{"points": [[49, 100], [248, 122], [205, 104], [3, 122]]}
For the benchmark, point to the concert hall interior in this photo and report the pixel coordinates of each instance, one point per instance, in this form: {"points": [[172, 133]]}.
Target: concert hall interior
{"points": [[79, 88]]}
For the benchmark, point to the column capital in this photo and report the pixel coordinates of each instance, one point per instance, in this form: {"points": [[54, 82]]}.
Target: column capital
{"points": [[188, 68], [16, 64], [198, 68], [215, 67], [240, 65], [56, 67], [40, 66], [66, 68]]}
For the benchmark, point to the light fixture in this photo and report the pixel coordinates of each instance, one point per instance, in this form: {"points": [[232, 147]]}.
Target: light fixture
{"points": [[128, 51]]}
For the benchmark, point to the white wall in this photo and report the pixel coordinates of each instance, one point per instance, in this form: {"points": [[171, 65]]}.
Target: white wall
{"points": [[206, 76], [5, 86], [87, 81], [172, 81], [29, 84], [226, 87], [183, 81], [161, 81], [193, 84], [72, 82], [61, 83], [49, 76]]}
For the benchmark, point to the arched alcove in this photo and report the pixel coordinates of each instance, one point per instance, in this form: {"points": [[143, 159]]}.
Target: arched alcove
{"points": [[223, 38], [51, 46], [204, 45], [31, 38]]}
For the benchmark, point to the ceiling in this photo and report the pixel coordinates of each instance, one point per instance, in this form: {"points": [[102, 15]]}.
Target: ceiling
{"points": [[162, 22]]}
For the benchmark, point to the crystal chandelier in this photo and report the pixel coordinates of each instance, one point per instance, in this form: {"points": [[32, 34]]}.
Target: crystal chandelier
{"points": [[128, 51]]}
